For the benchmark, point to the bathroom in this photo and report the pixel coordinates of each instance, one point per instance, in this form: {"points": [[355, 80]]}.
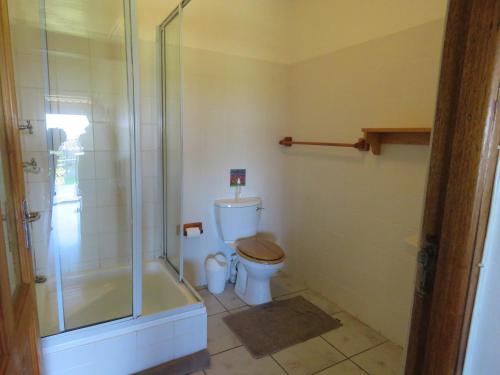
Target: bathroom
{"points": [[143, 112]]}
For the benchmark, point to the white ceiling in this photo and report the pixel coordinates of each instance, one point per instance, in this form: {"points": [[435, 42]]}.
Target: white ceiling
{"points": [[283, 31]]}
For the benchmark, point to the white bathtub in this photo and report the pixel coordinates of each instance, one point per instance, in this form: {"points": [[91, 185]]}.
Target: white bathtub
{"points": [[173, 322]]}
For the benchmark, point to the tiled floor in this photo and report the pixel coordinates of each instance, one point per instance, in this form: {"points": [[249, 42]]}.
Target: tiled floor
{"points": [[353, 349]]}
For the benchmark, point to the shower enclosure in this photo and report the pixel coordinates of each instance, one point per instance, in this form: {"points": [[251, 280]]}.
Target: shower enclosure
{"points": [[107, 245], [170, 42]]}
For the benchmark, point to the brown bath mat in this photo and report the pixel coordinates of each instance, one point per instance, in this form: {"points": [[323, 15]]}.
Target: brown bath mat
{"points": [[273, 326]]}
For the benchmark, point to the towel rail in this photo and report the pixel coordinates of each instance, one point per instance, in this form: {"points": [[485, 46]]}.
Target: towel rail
{"points": [[361, 145]]}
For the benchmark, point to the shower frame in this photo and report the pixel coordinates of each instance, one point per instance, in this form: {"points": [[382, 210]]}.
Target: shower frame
{"points": [[133, 100], [161, 33]]}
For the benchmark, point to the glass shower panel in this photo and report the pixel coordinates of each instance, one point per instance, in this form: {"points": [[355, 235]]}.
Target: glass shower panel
{"points": [[89, 142], [172, 137]]}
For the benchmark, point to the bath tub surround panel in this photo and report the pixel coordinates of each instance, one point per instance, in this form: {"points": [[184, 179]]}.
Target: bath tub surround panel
{"points": [[128, 348]]}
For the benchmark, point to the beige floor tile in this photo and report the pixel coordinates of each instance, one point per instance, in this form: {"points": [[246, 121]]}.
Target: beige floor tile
{"points": [[285, 284], [308, 357], [316, 299], [220, 337], [353, 337], [343, 368], [239, 362], [212, 304], [382, 360], [229, 298]]}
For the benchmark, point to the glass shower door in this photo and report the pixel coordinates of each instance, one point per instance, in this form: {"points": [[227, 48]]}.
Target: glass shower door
{"points": [[77, 98], [91, 145], [172, 137]]}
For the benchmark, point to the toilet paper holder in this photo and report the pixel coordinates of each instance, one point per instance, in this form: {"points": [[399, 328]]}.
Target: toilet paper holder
{"points": [[198, 225]]}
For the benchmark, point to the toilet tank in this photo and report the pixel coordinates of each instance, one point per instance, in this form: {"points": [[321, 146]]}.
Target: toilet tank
{"points": [[237, 218]]}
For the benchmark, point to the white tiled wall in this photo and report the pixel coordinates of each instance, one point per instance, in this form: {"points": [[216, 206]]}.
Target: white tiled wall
{"points": [[130, 349]]}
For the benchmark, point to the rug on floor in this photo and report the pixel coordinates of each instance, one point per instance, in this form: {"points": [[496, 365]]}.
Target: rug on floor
{"points": [[274, 326]]}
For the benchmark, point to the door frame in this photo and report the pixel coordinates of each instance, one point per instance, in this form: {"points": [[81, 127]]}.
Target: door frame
{"points": [[464, 153], [19, 332]]}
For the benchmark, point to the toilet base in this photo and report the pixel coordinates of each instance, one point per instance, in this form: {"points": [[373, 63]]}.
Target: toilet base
{"points": [[253, 281]]}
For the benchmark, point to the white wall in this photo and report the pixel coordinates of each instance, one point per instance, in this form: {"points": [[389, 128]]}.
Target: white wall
{"points": [[482, 348], [235, 111], [349, 212]]}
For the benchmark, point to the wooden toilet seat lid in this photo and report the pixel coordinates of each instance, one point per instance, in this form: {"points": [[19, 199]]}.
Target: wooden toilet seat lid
{"points": [[260, 250]]}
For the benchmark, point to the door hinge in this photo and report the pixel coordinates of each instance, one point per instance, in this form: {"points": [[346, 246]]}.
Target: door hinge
{"points": [[26, 126], [427, 257]]}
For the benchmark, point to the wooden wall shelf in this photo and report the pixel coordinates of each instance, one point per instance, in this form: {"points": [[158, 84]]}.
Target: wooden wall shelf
{"points": [[404, 136], [374, 138]]}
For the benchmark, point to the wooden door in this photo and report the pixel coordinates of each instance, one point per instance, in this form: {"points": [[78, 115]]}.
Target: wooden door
{"points": [[463, 158], [19, 337]]}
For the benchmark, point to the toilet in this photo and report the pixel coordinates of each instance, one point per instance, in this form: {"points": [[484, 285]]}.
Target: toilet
{"points": [[257, 259]]}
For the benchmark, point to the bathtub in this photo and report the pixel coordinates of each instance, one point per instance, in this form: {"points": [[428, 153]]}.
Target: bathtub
{"points": [[172, 325]]}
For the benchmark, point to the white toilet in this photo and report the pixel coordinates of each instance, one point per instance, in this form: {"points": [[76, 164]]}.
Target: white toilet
{"points": [[258, 259]]}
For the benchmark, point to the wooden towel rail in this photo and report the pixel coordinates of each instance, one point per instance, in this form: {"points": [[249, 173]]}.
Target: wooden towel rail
{"points": [[361, 145]]}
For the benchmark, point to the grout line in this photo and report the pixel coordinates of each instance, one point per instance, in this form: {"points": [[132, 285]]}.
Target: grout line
{"points": [[213, 295], [327, 367], [358, 366], [218, 300], [373, 347], [225, 307], [354, 355], [226, 350], [274, 359], [219, 313], [213, 314], [334, 347]]}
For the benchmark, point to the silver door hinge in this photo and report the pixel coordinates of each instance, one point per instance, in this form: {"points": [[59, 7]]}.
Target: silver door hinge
{"points": [[26, 126]]}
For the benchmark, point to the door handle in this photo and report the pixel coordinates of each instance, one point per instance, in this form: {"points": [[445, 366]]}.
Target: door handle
{"points": [[29, 217]]}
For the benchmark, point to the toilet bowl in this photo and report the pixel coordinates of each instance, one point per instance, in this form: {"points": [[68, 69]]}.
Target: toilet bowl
{"points": [[258, 261]]}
